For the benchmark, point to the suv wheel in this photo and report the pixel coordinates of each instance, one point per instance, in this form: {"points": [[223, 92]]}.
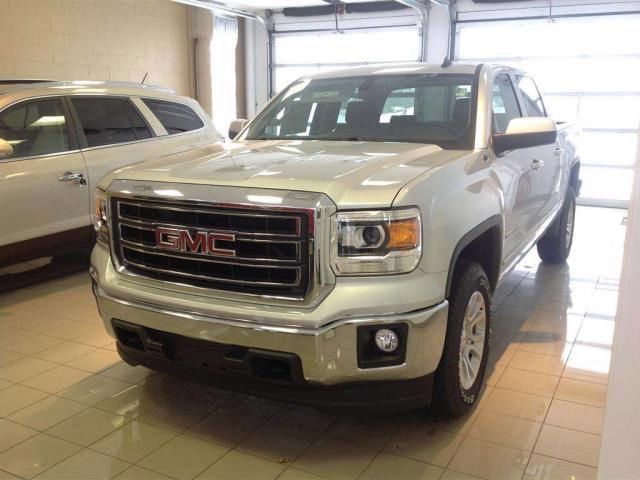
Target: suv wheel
{"points": [[556, 248], [460, 374]]}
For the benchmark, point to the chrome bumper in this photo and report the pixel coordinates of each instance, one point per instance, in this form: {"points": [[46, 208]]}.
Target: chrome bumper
{"points": [[326, 348], [328, 354]]}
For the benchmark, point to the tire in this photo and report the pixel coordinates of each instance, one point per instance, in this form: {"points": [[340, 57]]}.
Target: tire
{"points": [[556, 248], [454, 393]]}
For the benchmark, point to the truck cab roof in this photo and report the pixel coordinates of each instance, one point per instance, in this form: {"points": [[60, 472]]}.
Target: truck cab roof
{"points": [[406, 68]]}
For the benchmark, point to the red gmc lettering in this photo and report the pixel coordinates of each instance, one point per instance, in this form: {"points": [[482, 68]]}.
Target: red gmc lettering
{"points": [[202, 242]]}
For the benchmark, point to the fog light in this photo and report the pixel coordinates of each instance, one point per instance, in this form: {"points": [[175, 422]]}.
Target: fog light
{"points": [[386, 340]]}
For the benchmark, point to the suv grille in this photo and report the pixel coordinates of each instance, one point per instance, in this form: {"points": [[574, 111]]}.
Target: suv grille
{"points": [[254, 251]]}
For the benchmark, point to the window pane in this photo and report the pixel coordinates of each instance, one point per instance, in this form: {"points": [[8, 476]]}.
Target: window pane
{"points": [[350, 47], [314, 53], [35, 128], [505, 104], [286, 75], [606, 148], [174, 117], [606, 183], [562, 37], [562, 108], [398, 103], [532, 100], [107, 121], [609, 112]]}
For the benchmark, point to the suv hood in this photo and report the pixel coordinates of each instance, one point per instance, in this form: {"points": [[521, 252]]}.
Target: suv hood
{"points": [[352, 174]]}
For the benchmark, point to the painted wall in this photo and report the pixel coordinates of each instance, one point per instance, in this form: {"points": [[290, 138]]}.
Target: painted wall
{"points": [[96, 40], [621, 432]]}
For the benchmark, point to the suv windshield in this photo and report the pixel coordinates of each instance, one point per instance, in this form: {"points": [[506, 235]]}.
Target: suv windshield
{"points": [[425, 108]]}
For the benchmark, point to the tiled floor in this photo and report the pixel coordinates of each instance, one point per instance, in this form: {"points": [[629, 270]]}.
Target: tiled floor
{"points": [[70, 409]]}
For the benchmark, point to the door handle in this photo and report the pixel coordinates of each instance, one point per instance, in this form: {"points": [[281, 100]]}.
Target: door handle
{"points": [[75, 178], [557, 152], [536, 164]]}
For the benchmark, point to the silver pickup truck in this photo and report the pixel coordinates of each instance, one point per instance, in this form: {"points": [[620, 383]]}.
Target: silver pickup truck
{"points": [[343, 250]]}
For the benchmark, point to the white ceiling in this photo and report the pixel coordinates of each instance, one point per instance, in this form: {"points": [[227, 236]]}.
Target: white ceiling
{"points": [[253, 5]]}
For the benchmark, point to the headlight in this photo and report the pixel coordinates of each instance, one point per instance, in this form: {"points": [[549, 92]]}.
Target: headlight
{"points": [[376, 242], [101, 218]]}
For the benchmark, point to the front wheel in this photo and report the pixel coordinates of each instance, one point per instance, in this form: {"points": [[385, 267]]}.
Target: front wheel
{"points": [[556, 248], [459, 376]]}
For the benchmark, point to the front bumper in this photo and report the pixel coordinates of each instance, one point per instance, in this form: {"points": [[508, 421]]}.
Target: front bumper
{"points": [[324, 368], [275, 375]]}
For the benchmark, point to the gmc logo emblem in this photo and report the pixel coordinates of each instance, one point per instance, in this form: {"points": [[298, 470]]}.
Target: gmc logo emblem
{"points": [[202, 242]]}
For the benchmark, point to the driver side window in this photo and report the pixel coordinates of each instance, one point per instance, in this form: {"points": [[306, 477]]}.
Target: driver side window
{"points": [[505, 103]]}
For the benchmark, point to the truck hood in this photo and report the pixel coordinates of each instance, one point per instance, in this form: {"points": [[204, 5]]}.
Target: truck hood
{"points": [[352, 174]]}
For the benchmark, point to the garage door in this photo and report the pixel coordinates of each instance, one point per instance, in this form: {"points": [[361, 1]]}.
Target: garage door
{"points": [[308, 45], [589, 69]]}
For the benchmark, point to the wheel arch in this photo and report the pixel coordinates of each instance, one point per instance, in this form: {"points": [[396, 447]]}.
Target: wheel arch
{"points": [[574, 178], [482, 244]]}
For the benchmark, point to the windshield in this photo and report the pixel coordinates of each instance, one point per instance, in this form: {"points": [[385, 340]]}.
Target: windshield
{"points": [[426, 108]]}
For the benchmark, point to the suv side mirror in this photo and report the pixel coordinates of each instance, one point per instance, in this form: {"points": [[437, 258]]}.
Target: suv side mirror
{"points": [[525, 132], [6, 150], [236, 127]]}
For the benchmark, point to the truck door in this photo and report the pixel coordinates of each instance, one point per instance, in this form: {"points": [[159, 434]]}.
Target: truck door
{"points": [[513, 169], [547, 158], [43, 187]]}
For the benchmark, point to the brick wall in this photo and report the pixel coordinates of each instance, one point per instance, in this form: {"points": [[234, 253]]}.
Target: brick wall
{"points": [[96, 40]]}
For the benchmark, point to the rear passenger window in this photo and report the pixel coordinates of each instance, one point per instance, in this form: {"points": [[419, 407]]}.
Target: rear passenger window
{"points": [[174, 117], [399, 103], [108, 121], [505, 103], [532, 98], [34, 128]]}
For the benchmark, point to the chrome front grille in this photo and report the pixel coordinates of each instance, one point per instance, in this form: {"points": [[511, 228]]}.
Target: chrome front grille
{"points": [[172, 242]]}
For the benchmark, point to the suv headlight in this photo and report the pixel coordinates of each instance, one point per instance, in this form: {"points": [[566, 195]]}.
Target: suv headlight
{"points": [[101, 217], [376, 242]]}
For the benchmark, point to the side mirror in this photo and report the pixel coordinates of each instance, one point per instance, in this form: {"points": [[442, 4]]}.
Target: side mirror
{"points": [[236, 127], [525, 132], [6, 150]]}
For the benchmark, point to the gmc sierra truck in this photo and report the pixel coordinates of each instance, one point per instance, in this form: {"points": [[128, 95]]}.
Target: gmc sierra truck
{"points": [[342, 251]]}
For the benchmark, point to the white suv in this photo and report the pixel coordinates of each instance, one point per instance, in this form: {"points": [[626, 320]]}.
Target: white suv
{"points": [[58, 139]]}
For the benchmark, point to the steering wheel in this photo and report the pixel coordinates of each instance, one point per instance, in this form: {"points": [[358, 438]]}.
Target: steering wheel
{"points": [[443, 126]]}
